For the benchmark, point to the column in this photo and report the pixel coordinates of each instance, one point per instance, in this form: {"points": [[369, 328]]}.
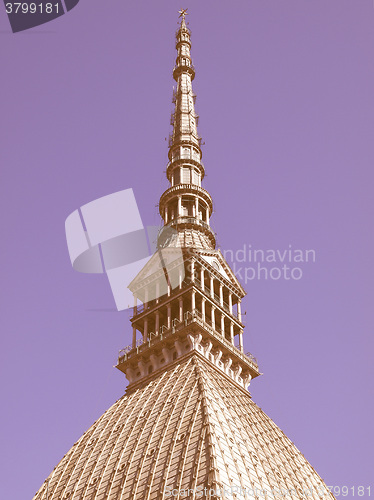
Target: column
{"points": [[230, 302], [207, 215], [232, 332], [180, 309], [135, 304], [239, 311], [223, 324], [145, 333], [180, 276], [179, 211], [157, 326], [221, 294], [203, 308], [133, 337], [213, 318], [241, 340], [211, 287], [193, 301], [202, 278], [197, 207], [192, 268], [169, 315], [166, 215]]}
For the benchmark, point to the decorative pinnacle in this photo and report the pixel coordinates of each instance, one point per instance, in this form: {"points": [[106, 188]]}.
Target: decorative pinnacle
{"points": [[183, 13]]}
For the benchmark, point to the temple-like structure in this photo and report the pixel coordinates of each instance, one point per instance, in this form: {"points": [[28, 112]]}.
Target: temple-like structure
{"points": [[187, 426]]}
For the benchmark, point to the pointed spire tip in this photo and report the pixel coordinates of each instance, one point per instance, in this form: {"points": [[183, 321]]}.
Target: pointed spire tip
{"points": [[183, 13]]}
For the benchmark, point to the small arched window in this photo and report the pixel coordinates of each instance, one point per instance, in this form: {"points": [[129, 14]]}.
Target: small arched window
{"points": [[216, 265]]}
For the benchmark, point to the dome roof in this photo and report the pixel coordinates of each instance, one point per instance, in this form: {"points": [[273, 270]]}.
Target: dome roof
{"points": [[184, 429]]}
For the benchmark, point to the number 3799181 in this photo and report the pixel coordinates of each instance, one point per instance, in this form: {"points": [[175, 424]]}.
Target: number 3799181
{"points": [[32, 8]]}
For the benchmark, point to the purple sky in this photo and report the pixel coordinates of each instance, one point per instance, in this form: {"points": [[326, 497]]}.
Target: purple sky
{"points": [[285, 96]]}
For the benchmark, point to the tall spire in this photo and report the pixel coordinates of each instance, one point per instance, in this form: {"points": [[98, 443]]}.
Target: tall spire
{"points": [[186, 206], [185, 118], [187, 281]]}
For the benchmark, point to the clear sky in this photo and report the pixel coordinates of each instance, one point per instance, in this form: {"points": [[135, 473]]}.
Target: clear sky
{"points": [[285, 97]]}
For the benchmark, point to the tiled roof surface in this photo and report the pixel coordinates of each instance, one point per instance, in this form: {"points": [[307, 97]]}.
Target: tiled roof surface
{"points": [[188, 428], [190, 238]]}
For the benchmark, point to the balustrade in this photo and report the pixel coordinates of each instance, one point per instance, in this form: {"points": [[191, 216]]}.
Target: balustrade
{"points": [[189, 317]]}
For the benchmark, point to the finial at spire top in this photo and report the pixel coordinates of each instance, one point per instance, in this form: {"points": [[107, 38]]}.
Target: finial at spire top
{"points": [[183, 13]]}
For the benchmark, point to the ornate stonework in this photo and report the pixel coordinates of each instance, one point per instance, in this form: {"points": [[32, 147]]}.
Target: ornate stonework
{"points": [[187, 426]]}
